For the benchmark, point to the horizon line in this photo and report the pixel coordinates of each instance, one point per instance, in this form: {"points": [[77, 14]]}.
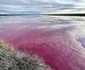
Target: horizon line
{"points": [[70, 14]]}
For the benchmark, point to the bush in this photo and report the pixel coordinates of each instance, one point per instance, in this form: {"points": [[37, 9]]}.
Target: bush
{"points": [[11, 59]]}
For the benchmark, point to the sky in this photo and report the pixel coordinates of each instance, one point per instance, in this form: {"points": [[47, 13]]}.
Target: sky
{"points": [[41, 6]]}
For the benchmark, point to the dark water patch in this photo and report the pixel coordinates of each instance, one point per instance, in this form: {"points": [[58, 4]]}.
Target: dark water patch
{"points": [[82, 41]]}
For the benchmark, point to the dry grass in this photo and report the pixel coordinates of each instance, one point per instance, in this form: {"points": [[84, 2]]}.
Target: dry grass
{"points": [[10, 59]]}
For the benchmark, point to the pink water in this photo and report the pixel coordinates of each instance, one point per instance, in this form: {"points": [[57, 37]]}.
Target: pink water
{"points": [[53, 40]]}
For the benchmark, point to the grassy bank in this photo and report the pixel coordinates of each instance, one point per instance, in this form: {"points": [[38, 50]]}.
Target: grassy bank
{"points": [[11, 59]]}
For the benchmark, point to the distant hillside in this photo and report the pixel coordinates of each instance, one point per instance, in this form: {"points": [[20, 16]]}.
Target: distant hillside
{"points": [[66, 14]]}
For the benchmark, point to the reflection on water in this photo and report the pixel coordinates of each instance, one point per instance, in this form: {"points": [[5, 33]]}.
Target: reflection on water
{"points": [[58, 40]]}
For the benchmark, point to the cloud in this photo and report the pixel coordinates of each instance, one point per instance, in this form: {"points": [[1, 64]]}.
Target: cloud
{"points": [[41, 6]]}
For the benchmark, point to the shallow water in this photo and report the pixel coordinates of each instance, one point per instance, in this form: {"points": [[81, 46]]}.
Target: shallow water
{"points": [[60, 41]]}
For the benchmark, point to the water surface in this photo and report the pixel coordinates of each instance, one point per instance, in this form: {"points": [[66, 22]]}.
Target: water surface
{"points": [[60, 41]]}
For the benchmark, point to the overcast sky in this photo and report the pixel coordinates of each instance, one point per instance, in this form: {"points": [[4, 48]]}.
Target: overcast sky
{"points": [[41, 6]]}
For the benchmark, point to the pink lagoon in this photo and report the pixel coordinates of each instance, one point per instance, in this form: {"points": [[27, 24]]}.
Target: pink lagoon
{"points": [[59, 41]]}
